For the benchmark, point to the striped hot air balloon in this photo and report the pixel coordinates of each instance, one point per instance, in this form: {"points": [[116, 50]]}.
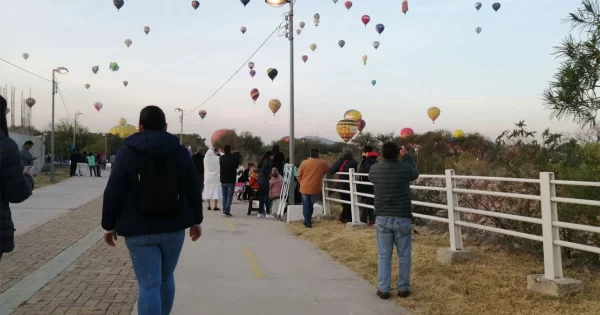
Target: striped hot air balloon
{"points": [[254, 94], [274, 105], [347, 129]]}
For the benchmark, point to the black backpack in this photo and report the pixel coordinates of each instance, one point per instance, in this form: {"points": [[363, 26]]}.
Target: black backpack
{"points": [[158, 186]]}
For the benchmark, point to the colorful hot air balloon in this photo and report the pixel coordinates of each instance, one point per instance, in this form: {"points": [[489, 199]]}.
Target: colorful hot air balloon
{"points": [[478, 5], [348, 5], [254, 94], [243, 29], [313, 47], [202, 114], [252, 73], [251, 65], [98, 106], [365, 19], [341, 43], [128, 42], [87, 86], [404, 6], [373, 82], [245, 2], [478, 30], [364, 59], [146, 29], [284, 139], [433, 113], [25, 56], [361, 125], [113, 66], [406, 132], [376, 44], [125, 83], [95, 69], [195, 5], [457, 134], [304, 58], [353, 115], [272, 73], [30, 102], [379, 28], [302, 24], [496, 6], [298, 31], [317, 19], [217, 135], [118, 4], [347, 129], [274, 105]]}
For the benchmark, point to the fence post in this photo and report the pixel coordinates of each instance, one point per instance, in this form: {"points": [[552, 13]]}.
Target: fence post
{"points": [[454, 230], [552, 253], [354, 207], [324, 194]]}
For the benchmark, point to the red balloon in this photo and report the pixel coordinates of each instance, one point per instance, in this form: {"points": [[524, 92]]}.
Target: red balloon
{"points": [[219, 134], [348, 4], [285, 139], [361, 125], [406, 132], [304, 58], [365, 19]]}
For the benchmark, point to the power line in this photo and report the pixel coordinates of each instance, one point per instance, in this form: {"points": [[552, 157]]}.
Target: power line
{"points": [[62, 99], [34, 74]]}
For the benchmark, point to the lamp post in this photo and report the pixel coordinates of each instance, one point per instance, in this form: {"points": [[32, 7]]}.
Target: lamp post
{"points": [[289, 29], [59, 70], [75, 127], [179, 110]]}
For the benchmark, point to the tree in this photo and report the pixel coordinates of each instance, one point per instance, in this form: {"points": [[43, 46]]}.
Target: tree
{"points": [[573, 92]]}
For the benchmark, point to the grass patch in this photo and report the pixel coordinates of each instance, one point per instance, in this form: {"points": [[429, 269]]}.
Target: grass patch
{"points": [[43, 178], [493, 282]]}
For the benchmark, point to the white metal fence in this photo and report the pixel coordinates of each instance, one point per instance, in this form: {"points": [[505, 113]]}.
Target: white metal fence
{"points": [[549, 219]]}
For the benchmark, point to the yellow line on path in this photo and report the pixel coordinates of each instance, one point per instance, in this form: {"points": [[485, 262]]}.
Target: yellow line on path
{"points": [[229, 224], [253, 265]]}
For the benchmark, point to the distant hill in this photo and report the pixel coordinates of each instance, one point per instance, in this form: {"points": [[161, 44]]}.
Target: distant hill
{"points": [[319, 139]]}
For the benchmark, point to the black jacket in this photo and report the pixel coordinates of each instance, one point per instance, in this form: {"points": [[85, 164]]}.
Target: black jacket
{"points": [[391, 180], [199, 163], [343, 165], [229, 164], [119, 206], [365, 166], [278, 161], [264, 173], [15, 187]]}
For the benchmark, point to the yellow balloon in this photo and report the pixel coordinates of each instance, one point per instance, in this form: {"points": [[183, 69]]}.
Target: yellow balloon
{"points": [[123, 130], [433, 113], [122, 121], [313, 47], [346, 129], [457, 134], [353, 115]]}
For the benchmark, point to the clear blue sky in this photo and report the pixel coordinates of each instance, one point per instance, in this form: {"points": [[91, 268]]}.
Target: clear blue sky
{"points": [[428, 57]]}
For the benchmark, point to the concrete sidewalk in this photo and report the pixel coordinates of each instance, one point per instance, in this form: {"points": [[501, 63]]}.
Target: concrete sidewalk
{"points": [[51, 201], [251, 266]]}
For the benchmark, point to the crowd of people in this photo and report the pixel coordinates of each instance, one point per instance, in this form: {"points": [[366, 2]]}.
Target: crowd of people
{"points": [[79, 162]]}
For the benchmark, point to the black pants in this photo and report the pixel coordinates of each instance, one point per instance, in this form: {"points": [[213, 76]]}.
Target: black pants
{"points": [[73, 169], [92, 170], [346, 208], [98, 170], [367, 215]]}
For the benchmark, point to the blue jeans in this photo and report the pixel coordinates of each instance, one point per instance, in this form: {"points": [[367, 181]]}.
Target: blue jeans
{"points": [[390, 231], [154, 258], [308, 202], [264, 203], [227, 197]]}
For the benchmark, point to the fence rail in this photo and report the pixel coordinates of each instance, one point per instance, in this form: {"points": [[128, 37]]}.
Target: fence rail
{"points": [[549, 220]]}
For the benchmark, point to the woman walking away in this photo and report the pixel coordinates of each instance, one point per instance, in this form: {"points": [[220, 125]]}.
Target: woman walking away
{"points": [[264, 165], [344, 164], [91, 160], [275, 186], [212, 179], [16, 183]]}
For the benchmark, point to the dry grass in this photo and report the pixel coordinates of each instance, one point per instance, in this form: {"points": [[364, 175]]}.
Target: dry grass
{"points": [[43, 178], [493, 282]]}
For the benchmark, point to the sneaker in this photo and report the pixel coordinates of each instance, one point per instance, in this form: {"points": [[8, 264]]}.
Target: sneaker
{"points": [[269, 216], [259, 215], [209, 208], [383, 295], [229, 215], [223, 214], [403, 294]]}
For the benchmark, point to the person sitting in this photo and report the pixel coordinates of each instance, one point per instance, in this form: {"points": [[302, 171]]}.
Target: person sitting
{"points": [[253, 182]]}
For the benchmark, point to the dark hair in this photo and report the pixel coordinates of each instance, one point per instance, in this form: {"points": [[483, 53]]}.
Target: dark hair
{"points": [[314, 153], [3, 121], [276, 148], [264, 157], [29, 142], [367, 149], [227, 149], [390, 151], [152, 118]]}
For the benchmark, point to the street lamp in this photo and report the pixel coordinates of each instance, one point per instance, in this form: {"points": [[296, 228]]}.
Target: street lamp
{"points": [[289, 28], [179, 110], [75, 127], [59, 70]]}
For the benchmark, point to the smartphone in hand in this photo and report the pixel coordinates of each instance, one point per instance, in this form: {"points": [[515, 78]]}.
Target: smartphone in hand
{"points": [[28, 170]]}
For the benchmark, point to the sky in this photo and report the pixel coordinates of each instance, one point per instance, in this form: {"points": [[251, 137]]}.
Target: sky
{"points": [[431, 56]]}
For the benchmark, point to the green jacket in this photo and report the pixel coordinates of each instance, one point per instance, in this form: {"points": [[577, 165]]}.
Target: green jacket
{"points": [[391, 180]]}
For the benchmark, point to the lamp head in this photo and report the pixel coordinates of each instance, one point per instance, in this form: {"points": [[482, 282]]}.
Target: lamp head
{"points": [[178, 109], [276, 3], [61, 70]]}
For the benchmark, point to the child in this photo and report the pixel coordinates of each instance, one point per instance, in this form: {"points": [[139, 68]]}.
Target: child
{"points": [[253, 182]]}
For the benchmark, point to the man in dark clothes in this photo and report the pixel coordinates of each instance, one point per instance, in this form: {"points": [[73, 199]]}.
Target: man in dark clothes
{"points": [[278, 159], [369, 159], [229, 164], [198, 159], [74, 157]]}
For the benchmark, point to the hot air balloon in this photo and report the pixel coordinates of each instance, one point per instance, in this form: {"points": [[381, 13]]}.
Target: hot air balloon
{"points": [[433, 113], [302, 24], [347, 129], [118, 4], [365, 19], [95, 69], [146, 29], [245, 2], [304, 58], [373, 82], [364, 59], [496, 6], [195, 5], [317, 19], [272, 73], [478, 30], [379, 28], [98, 106], [252, 73], [313, 47], [404, 6], [243, 29], [25, 56], [298, 31], [113, 66], [274, 105], [341, 43], [361, 125], [217, 135], [251, 65], [87, 86], [125, 83], [478, 5], [353, 115], [30, 102], [457, 134], [254, 94], [123, 129], [284, 139], [406, 132], [202, 114], [376, 44], [348, 5], [128, 42]]}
